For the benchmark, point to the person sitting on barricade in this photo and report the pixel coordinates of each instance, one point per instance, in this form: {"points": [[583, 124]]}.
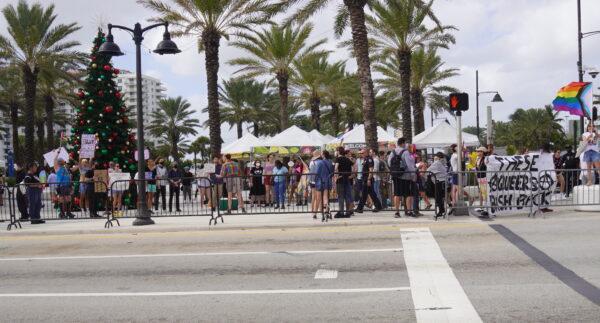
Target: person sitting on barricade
{"points": [[591, 154], [440, 171]]}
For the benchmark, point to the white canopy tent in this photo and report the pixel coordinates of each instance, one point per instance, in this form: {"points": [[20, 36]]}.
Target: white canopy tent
{"points": [[319, 137], [442, 135], [357, 136], [242, 145], [291, 137]]}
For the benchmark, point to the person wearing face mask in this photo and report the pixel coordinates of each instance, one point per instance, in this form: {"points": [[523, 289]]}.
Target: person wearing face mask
{"points": [[162, 176], [174, 187], [440, 170], [257, 186]]}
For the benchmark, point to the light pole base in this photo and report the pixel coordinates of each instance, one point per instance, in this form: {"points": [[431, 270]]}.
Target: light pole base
{"points": [[143, 221]]}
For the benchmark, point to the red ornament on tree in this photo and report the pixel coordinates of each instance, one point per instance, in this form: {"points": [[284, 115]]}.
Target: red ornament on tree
{"points": [[80, 94], [107, 67], [108, 109], [100, 93], [116, 71], [118, 95]]}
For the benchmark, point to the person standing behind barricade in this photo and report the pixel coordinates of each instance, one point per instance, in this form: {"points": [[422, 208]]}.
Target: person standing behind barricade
{"points": [[268, 171], [376, 174], [558, 166], [481, 168], [591, 154], [343, 179], [358, 184], [84, 202], [402, 169], [174, 187], [384, 173], [421, 166], [570, 164], [257, 188], [368, 185], [2, 185], [439, 169], [116, 188], [314, 201], [203, 186], [162, 178], [217, 181], [231, 174], [34, 193], [149, 176], [90, 189], [279, 181], [186, 184], [323, 183], [64, 188]]}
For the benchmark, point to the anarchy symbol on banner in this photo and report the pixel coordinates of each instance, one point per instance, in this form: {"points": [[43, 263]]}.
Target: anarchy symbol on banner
{"points": [[545, 181]]}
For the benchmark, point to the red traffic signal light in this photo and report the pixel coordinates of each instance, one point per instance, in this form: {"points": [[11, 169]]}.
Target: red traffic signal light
{"points": [[458, 101]]}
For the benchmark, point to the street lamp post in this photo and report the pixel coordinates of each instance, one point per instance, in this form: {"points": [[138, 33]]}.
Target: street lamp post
{"points": [[580, 37], [166, 46], [496, 98]]}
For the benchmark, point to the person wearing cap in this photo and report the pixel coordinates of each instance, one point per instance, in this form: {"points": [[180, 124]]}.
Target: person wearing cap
{"points": [[440, 170], [482, 178], [63, 189], [186, 184]]}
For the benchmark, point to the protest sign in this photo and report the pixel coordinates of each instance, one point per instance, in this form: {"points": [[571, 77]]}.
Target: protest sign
{"points": [[118, 180], [146, 154], [518, 182], [88, 146], [209, 168], [50, 156], [100, 180]]}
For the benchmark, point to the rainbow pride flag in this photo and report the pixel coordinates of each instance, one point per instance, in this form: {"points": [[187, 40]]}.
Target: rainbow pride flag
{"points": [[575, 98]]}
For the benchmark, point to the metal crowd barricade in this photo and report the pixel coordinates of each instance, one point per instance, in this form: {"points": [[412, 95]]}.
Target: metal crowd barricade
{"points": [[7, 209], [166, 200], [569, 188], [495, 191]]}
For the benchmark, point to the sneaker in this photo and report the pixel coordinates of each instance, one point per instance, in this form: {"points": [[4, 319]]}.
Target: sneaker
{"points": [[358, 211], [37, 221], [71, 215], [314, 216], [283, 208], [397, 215], [244, 210]]}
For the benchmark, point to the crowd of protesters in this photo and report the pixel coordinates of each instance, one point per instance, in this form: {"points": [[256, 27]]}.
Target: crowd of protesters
{"points": [[402, 179]]}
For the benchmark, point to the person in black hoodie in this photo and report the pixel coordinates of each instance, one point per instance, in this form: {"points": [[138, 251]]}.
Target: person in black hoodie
{"points": [[34, 193]]}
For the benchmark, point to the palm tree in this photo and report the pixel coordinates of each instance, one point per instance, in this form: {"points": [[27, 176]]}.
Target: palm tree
{"points": [[427, 72], [398, 28], [172, 122], [200, 146], [338, 86], [34, 41], [234, 110], [533, 127], [258, 98], [352, 11], [273, 52], [209, 20], [10, 102], [308, 81]]}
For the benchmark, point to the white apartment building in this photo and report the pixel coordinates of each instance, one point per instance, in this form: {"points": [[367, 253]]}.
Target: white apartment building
{"points": [[152, 92], [5, 139]]}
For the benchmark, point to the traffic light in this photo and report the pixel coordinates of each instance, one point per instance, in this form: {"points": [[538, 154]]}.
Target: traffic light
{"points": [[458, 102]]}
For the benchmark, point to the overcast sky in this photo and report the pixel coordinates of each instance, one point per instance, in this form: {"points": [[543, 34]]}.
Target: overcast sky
{"points": [[525, 49]]}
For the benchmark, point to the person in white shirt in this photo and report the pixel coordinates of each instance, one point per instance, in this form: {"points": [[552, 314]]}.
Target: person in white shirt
{"points": [[591, 154], [162, 176]]}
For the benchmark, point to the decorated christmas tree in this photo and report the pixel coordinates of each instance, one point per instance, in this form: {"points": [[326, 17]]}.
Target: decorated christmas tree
{"points": [[102, 113]]}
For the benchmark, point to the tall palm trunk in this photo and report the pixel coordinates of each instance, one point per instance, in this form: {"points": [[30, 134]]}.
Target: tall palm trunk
{"points": [[14, 120], [417, 103], [210, 39], [240, 129], [282, 79], [30, 84], [175, 148], [361, 50], [404, 59], [40, 127], [350, 119], [335, 118], [255, 130], [315, 112], [49, 108]]}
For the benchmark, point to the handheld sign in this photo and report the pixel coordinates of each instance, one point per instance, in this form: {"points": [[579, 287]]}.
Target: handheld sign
{"points": [[88, 146]]}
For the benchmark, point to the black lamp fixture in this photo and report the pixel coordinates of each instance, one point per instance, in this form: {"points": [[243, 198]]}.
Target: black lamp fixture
{"points": [[166, 46], [497, 98]]}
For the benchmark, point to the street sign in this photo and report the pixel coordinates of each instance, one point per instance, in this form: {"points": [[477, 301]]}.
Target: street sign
{"points": [[458, 102]]}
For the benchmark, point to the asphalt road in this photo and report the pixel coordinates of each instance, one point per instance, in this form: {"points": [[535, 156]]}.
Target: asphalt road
{"points": [[509, 270]]}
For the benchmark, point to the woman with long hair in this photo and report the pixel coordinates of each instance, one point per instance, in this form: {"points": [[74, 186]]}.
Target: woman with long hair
{"points": [[591, 154], [268, 172]]}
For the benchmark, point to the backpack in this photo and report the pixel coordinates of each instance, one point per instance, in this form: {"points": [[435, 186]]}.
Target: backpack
{"points": [[397, 164], [382, 167]]}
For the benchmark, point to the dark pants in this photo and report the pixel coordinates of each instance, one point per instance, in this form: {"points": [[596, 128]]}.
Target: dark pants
{"points": [[187, 192], [162, 192], [440, 193], [34, 197], [173, 191], [344, 190], [22, 204], [358, 189], [90, 195], [368, 190]]}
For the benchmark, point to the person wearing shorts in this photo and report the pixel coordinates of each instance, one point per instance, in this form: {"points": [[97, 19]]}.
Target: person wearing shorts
{"points": [[405, 183], [591, 155], [231, 174], [63, 189]]}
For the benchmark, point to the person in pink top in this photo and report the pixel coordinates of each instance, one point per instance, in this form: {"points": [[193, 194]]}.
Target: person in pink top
{"points": [[268, 172]]}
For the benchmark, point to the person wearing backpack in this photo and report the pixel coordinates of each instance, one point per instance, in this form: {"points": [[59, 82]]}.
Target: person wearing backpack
{"points": [[402, 169]]}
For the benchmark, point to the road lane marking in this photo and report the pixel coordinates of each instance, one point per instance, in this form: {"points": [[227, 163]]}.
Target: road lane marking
{"points": [[204, 254], [326, 274], [564, 274], [437, 294], [214, 292]]}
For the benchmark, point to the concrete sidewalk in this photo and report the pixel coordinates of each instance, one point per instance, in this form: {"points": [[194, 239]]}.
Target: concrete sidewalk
{"points": [[248, 221]]}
